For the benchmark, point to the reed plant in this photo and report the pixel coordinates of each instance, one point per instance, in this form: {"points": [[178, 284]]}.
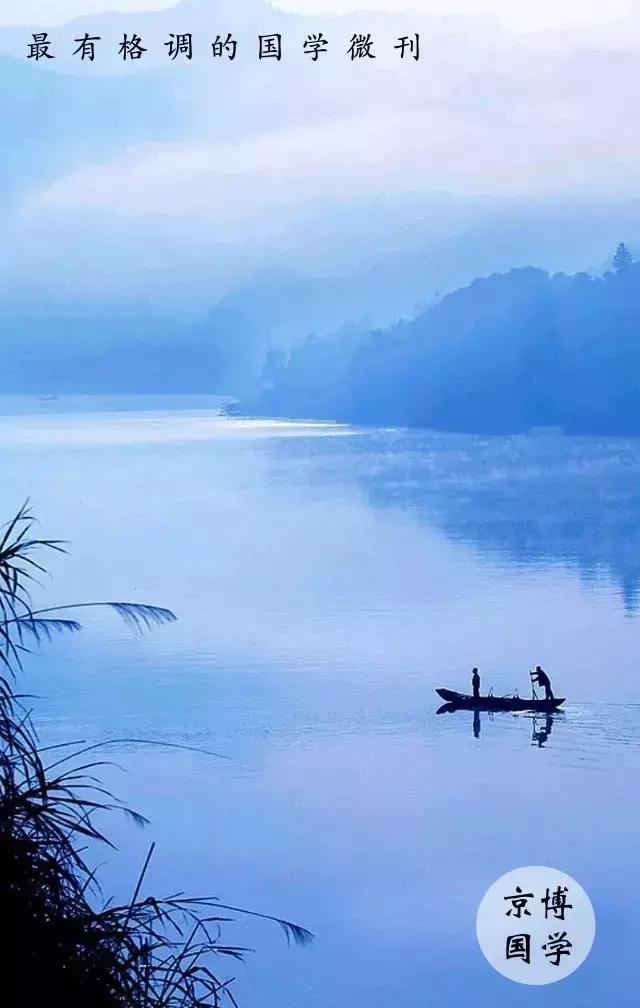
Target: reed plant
{"points": [[64, 944]]}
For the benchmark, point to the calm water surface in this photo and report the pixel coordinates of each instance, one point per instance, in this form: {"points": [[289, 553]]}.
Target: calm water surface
{"points": [[326, 581]]}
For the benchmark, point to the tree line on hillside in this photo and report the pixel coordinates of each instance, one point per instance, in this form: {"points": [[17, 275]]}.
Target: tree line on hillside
{"points": [[508, 353]]}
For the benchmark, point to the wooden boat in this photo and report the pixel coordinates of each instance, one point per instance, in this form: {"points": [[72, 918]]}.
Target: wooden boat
{"points": [[462, 701]]}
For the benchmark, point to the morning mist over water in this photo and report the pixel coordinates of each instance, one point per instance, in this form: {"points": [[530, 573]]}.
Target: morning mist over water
{"points": [[326, 579], [320, 556]]}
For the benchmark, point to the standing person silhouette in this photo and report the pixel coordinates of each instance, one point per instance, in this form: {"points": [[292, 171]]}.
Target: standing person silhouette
{"points": [[541, 677], [475, 683]]}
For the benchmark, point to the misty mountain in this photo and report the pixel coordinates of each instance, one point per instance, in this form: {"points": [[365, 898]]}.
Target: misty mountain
{"points": [[177, 182], [83, 346], [52, 121], [71, 346], [507, 353]]}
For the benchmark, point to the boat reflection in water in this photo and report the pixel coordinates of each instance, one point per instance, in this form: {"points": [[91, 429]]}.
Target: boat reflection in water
{"points": [[540, 730]]}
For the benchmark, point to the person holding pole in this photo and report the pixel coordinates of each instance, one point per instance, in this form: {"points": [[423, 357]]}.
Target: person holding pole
{"points": [[541, 677]]}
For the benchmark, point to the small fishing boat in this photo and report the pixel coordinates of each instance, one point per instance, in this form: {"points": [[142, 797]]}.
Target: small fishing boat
{"points": [[232, 409], [462, 701]]}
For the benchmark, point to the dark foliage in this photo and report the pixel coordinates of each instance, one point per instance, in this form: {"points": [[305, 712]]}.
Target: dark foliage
{"points": [[61, 946], [510, 352]]}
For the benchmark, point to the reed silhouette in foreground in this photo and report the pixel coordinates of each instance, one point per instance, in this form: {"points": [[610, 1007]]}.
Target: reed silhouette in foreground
{"points": [[63, 944]]}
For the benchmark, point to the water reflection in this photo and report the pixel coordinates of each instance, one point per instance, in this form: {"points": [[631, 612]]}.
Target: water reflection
{"points": [[541, 727], [540, 735], [313, 629], [532, 501], [525, 501]]}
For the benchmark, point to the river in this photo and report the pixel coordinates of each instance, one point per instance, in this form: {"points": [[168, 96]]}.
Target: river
{"points": [[326, 580]]}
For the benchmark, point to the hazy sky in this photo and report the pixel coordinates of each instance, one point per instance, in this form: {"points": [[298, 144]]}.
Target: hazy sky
{"points": [[519, 14], [55, 12], [182, 178]]}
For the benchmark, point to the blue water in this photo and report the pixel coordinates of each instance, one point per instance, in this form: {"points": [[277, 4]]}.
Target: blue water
{"points": [[326, 580]]}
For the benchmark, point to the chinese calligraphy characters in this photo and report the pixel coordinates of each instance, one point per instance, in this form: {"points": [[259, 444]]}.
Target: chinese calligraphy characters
{"points": [[39, 48], [131, 47], [227, 48], [555, 902], [558, 946], [519, 947], [519, 903], [535, 925], [315, 45], [270, 47], [86, 47], [182, 45]]}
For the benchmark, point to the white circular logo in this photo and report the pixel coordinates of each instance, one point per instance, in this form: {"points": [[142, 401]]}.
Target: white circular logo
{"points": [[536, 925]]}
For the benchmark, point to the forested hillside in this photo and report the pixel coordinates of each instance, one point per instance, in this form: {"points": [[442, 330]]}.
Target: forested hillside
{"points": [[507, 353]]}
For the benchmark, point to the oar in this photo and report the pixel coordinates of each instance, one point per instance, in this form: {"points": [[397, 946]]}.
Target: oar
{"points": [[534, 695]]}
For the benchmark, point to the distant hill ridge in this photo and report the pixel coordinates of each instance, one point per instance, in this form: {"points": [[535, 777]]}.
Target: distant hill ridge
{"points": [[507, 353]]}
